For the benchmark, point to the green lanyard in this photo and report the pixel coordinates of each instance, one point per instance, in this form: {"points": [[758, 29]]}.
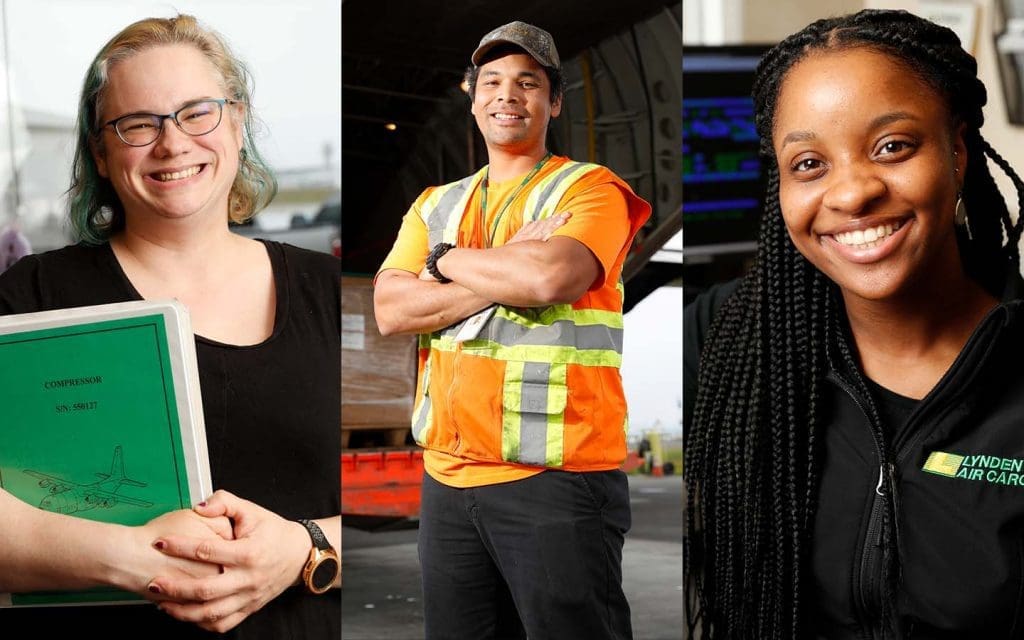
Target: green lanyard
{"points": [[483, 201]]}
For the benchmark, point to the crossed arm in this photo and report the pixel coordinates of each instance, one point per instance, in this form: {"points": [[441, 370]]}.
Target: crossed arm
{"points": [[533, 269]]}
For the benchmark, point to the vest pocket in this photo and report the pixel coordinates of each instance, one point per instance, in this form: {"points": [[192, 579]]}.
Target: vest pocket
{"points": [[533, 402]]}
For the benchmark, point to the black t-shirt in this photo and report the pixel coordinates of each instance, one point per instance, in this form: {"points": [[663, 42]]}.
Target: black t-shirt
{"points": [[272, 425], [893, 409]]}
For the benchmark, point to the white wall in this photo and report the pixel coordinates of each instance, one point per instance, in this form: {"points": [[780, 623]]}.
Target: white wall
{"points": [[773, 21], [754, 21]]}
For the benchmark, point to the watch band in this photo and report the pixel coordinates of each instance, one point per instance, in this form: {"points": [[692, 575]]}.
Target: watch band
{"points": [[317, 534], [324, 565], [439, 250]]}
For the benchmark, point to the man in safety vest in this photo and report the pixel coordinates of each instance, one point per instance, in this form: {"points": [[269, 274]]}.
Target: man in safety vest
{"points": [[512, 277]]}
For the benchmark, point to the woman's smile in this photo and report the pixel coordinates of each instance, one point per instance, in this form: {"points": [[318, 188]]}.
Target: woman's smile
{"points": [[868, 243]]}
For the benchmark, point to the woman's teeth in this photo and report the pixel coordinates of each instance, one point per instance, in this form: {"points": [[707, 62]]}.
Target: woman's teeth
{"points": [[178, 175], [867, 238]]}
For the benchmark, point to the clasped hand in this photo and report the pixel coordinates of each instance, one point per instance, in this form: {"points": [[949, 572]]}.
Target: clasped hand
{"points": [[263, 559]]}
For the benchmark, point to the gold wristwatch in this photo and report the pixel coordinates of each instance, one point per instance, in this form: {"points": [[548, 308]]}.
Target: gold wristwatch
{"points": [[322, 569]]}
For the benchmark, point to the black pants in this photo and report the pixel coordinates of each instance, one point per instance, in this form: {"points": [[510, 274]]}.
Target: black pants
{"points": [[537, 558]]}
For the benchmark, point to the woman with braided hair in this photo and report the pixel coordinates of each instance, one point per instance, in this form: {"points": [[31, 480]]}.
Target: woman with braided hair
{"points": [[855, 456]]}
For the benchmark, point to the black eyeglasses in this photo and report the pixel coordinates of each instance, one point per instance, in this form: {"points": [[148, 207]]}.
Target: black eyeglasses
{"points": [[195, 118]]}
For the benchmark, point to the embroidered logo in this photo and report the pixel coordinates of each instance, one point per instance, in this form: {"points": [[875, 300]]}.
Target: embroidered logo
{"points": [[983, 468]]}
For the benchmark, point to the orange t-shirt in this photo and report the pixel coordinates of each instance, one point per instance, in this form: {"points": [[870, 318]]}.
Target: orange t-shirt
{"points": [[600, 220]]}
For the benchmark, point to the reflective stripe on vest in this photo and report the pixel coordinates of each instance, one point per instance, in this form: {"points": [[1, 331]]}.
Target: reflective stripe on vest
{"points": [[547, 193], [533, 413], [422, 416], [536, 344], [437, 208], [558, 333], [563, 333]]}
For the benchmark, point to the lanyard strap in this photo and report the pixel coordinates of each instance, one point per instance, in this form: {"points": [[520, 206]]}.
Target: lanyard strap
{"points": [[489, 241]]}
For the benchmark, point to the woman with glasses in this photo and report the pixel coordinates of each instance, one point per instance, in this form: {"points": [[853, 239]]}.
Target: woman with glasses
{"points": [[165, 159]]}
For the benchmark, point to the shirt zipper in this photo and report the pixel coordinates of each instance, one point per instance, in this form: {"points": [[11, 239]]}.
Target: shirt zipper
{"points": [[451, 391], [867, 593], [865, 596], [904, 441]]}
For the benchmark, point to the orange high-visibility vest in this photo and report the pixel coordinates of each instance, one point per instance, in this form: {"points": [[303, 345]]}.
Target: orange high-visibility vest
{"points": [[537, 386]]}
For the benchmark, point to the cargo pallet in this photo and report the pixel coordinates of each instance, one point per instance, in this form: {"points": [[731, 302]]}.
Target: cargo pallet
{"points": [[384, 483]]}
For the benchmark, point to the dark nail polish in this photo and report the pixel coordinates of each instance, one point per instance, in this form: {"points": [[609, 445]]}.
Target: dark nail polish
{"points": [[160, 544], [154, 589]]}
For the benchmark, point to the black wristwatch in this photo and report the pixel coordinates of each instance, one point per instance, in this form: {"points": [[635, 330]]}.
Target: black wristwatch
{"points": [[439, 250], [323, 566]]}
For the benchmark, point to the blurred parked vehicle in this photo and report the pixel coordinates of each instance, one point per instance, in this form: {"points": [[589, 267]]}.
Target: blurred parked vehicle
{"points": [[322, 232]]}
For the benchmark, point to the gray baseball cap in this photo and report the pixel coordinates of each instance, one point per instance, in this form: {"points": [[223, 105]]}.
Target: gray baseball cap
{"points": [[535, 41]]}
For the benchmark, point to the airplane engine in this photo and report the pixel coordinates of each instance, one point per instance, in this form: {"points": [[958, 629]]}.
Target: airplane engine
{"points": [[95, 501], [54, 487], [60, 503]]}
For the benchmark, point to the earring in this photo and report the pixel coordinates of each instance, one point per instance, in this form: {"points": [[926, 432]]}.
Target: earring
{"points": [[960, 216]]}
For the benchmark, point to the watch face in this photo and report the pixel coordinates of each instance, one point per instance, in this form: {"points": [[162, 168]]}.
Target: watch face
{"points": [[325, 573]]}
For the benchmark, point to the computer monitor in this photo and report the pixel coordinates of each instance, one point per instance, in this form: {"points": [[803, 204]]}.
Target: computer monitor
{"points": [[723, 183]]}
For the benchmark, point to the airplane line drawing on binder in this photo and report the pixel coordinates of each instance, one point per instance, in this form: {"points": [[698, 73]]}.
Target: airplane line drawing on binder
{"points": [[70, 497]]}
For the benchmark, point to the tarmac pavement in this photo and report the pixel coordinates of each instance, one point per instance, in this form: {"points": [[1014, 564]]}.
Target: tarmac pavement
{"points": [[382, 597]]}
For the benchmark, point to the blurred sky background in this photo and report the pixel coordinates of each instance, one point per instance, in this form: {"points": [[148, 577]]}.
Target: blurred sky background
{"points": [[652, 362], [293, 50]]}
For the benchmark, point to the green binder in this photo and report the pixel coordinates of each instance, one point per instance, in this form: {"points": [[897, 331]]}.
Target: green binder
{"points": [[101, 419]]}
